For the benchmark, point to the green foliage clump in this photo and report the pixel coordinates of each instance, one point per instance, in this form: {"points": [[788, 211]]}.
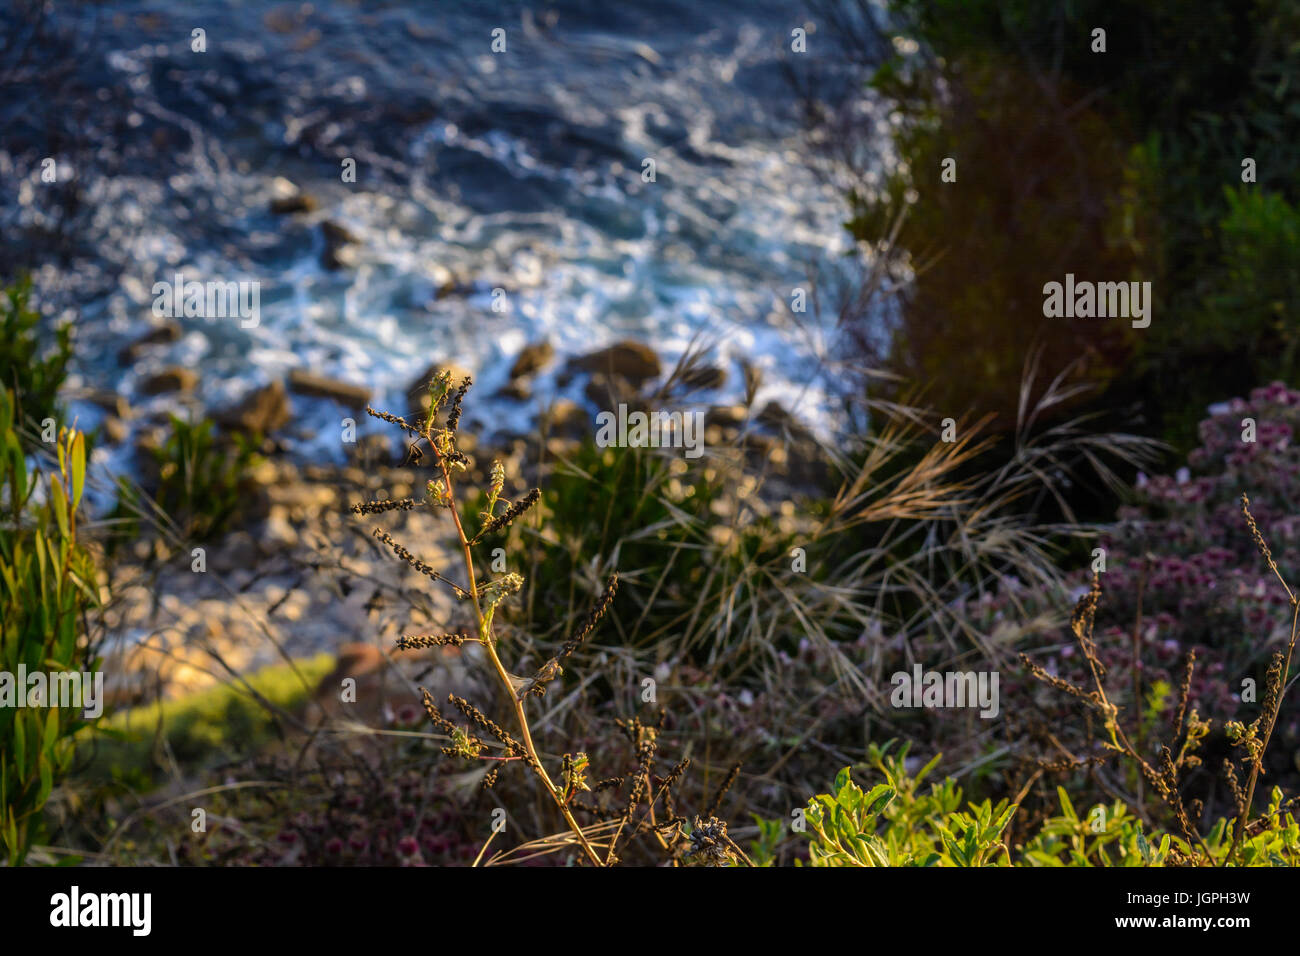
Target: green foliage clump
{"points": [[34, 373], [669, 521], [47, 588], [895, 824], [1111, 165], [201, 482]]}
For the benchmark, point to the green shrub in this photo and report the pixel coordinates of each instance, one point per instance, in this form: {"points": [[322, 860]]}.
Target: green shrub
{"points": [[1109, 165], [202, 481], [895, 824], [34, 374], [47, 586]]}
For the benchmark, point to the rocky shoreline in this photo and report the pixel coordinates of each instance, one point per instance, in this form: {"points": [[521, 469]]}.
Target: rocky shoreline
{"points": [[299, 574]]}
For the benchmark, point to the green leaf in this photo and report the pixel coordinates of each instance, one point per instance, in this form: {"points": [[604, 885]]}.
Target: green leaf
{"points": [[47, 781], [20, 742], [1144, 848], [78, 468], [878, 799], [1066, 806], [51, 729], [1001, 823], [842, 779]]}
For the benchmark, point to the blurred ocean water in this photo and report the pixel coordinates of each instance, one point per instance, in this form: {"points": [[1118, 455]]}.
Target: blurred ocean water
{"points": [[476, 171]]}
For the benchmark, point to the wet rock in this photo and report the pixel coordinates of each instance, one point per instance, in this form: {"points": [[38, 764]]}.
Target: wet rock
{"points": [[174, 378], [516, 391], [162, 334], [568, 419], [340, 245], [727, 416], [634, 361], [531, 359], [302, 382], [775, 417], [263, 410], [610, 391], [703, 377], [301, 202], [290, 199], [115, 430], [111, 402]]}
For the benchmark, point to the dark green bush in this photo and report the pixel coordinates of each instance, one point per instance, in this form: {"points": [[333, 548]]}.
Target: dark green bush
{"points": [[32, 370]]}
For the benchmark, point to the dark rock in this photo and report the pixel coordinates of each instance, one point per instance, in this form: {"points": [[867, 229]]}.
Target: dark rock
{"points": [[302, 382], [516, 391], [567, 418], [289, 198], [775, 417], [174, 378], [263, 410], [338, 246], [610, 391], [112, 402], [532, 358], [163, 334], [703, 376], [115, 430], [336, 234], [299, 202], [727, 416], [633, 361]]}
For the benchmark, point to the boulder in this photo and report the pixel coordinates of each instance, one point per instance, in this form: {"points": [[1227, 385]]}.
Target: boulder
{"points": [[567, 418], [775, 417], [634, 361], [300, 202], [531, 359], [163, 334], [263, 410], [303, 382], [339, 242], [727, 416], [610, 391], [113, 403], [174, 378], [289, 198], [515, 391], [703, 376], [115, 430]]}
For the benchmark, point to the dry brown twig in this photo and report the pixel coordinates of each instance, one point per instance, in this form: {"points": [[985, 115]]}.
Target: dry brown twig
{"points": [[485, 597]]}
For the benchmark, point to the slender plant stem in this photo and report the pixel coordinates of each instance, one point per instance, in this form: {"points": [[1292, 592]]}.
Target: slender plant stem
{"points": [[520, 717], [1256, 765]]}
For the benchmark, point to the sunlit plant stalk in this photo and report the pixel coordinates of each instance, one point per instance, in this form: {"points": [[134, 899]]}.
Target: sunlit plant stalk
{"points": [[484, 598]]}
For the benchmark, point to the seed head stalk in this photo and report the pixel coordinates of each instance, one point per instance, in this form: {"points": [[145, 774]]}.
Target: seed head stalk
{"points": [[485, 629]]}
